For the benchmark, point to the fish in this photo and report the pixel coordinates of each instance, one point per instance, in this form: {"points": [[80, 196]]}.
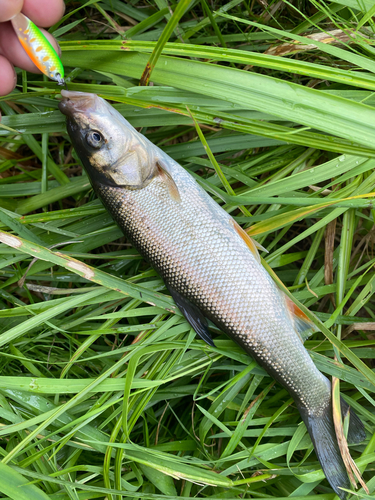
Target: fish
{"points": [[209, 264], [38, 48]]}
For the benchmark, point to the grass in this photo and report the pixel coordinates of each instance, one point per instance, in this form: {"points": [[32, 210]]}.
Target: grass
{"points": [[105, 391]]}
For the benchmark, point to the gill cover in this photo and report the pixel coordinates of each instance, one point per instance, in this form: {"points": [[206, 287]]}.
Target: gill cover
{"points": [[111, 150]]}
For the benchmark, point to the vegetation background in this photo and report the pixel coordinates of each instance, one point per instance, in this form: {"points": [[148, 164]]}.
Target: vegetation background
{"points": [[105, 391]]}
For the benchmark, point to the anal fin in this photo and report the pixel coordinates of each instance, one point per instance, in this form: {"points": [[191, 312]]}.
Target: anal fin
{"points": [[193, 315]]}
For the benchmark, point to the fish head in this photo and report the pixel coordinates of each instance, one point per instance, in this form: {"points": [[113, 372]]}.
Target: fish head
{"points": [[111, 150]]}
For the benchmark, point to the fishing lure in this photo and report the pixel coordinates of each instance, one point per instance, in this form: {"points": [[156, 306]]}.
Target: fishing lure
{"points": [[38, 48]]}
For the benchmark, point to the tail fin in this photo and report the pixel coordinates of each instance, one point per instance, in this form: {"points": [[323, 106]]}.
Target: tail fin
{"points": [[323, 436], [356, 430]]}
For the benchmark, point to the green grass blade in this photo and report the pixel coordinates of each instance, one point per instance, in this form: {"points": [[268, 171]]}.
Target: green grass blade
{"points": [[15, 486], [168, 30]]}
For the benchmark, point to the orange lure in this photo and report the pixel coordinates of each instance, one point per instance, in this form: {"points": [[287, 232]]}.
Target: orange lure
{"points": [[38, 48]]}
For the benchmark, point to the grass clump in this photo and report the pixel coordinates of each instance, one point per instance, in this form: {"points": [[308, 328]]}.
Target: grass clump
{"points": [[105, 392]]}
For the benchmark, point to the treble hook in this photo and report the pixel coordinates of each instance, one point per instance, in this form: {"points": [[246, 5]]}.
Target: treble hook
{"points": [[61, 81]]}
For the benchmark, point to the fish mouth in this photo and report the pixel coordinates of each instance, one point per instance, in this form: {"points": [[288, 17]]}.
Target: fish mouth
{"points": [[74, 102]]}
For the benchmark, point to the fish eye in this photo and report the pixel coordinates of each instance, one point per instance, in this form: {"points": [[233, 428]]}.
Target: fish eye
{"points": [[94, 139]]}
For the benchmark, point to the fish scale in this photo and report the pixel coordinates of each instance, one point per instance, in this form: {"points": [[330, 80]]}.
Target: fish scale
{"points": [[209, 264], [196, 250]]}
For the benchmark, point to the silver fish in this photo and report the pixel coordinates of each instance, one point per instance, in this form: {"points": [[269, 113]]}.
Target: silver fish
{"points": [[209, 264]]}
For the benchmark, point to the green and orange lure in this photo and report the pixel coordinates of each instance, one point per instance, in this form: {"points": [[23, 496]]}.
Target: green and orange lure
{"points": [[38, 48]]}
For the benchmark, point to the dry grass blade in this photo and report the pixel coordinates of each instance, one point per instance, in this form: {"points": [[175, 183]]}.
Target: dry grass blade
{"points": [[328, 256], [351, 467], [334, 36]]}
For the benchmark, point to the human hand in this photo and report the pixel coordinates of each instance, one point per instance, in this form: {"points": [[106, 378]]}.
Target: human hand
{"points": [[42, 13]]}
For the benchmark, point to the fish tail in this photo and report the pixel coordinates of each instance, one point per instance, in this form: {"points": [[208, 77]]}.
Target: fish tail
{"points": [[356, 430], [323, 436]]}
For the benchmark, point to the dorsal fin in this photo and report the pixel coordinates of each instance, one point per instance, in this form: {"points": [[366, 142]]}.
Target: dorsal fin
{"points": [[302, 324], [252, 245], [258, 245], [170, 183]]}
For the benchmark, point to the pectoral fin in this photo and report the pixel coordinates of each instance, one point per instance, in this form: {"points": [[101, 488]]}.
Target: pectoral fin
{"points": [[193, 316], [170, 183]]}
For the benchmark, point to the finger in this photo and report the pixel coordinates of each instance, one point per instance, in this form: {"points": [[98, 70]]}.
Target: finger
{"points": [[9, 8], [13, 50], [44, 12], [8, 78]]}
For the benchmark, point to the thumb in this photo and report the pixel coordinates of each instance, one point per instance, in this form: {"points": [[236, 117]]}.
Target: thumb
{"points": [[9, 8]]}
